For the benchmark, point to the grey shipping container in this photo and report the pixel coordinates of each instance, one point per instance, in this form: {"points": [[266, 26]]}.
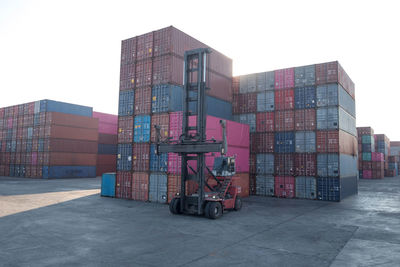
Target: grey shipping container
{"points": [[260, 77], [265, 185], [331, 118], [306, 187], [265, 81], [249, 119], [247, 83], [335, 95], [158, 187], [337, 165], [266, 101], [265, 164], [304, 76], [305, 142]]}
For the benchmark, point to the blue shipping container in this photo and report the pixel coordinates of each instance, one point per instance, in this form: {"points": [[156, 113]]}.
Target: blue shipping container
{"points": [[158, 163], [142, 129], [68, 172], [328, 189], [124, 157], [249, 119], [285, 142], [158, 187], [126, 103], [265, 185], [108, 149], [47, 105], [108, 185], [265, 164], [304, 97], [367, 148]]}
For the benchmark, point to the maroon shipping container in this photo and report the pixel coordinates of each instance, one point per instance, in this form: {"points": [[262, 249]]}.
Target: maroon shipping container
{"points": [[140, 157], [168, 69], [17, 158], [144, 46], [365, 131], [33, 172], [123, 185], [247, 103], [140, 186], [144, 73], [253, 163], [304, 120], [65, 132], [109, 138], [28, 171], [235, 85], [161, 120], [284, 120], [336, 141], [56, 118], [128, 51], [332, 72], [379, 174], [67, 145], [367, 165], [305, 164], [284, 99], [20, 122], [42, 118], [100, 169], [127, 76], [284, 164], [265, 122], [125, 129], [71, 159], [235, 104], [143, 100], [262, 142], [36, 130], [285, 186], [106, 160]]}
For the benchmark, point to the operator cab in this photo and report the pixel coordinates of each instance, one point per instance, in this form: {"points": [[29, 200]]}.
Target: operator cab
{"points": [[224, 166]]}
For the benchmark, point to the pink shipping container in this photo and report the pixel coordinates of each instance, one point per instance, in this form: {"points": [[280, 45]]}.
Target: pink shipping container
{"points": [[105, 117], [265, 122], [107, 128], [284, 186], [377, 156], [284, 78], [367, 174], [284, 99]]}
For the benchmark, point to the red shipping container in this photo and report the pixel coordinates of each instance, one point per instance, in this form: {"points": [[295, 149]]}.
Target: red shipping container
{"points": [[248, 103], [106, 160], [284, 186], [327, 141], [242, 181], [144, 46], [20, 121], [123, 185], [161, 120], [127, 76], [16, 157], [284, 120], [304, 120], [305, 164], [365, 131], [140, 157], [143, 100], [66, 132], [144, 73], [265, 122], [168, 69], [174, 186], [262, 142], [284, 78], [378, 174], [140, 186], [235, 85], [2, 112], [28, 158], [284, 164], [2, 170], [235, 103], [111, 139], [62, 119], [34, 159], [125, 129], [128, 51], [100, 169], [284, 99], [70, 159]]}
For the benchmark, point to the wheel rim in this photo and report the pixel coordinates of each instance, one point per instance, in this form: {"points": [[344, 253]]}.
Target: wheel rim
{"points": [[216, 210]]}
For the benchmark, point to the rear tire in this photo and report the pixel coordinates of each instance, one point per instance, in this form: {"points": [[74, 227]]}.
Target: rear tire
{"points": [[238, 203], [175, 206], [215, 210], [207, 210]]}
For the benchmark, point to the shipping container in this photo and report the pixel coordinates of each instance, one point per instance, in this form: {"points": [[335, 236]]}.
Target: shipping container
{"points": [[266, 101], [125, 129], [249, 119], [141, 132], [284, 99], [108, 149], [284, 186], [305, 142], [143, 101], [111, 138], [336, 141], [304, 120], [124, 157], [265, 164], [335, 118], [100, 169], [265, 185], [174, 186], [265, 122], [68, 145], [304, 76], [143, 73], [306, 187], [365, 131], [158, 188], [141, 157], [66, 132], [123, 186], [68, 171], [262, 142], [56, 118], [305, 164], [284, 120], [161, 120], [284, 142], [284, 164], [140, 186], [304, 97], [47, 105], [284, 78], [106, 160], [335, 95], [336, 165], [158, 163], [168, 69], [108, 185], [126, 103], [328, 189]]}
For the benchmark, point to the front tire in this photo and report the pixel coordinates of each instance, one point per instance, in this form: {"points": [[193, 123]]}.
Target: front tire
{"points": [[175, 206], [215, 210], [207, 210], [238, 203]]}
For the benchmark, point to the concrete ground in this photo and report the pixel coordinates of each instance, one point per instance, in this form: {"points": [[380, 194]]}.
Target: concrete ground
{"points": [[65, 222]]}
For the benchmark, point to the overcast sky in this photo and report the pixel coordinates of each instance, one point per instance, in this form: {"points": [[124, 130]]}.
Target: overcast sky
{"points": [[70, 50]]}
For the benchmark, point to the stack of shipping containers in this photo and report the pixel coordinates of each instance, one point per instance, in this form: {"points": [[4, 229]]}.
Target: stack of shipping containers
{"points": [[382, 145], [370, 163], [151, 90], [303, 133], [393, 165], [48, 139], [107, 143]]}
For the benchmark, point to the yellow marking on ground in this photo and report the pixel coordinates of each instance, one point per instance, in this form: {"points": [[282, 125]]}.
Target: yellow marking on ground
{"points": [[19, 203]]}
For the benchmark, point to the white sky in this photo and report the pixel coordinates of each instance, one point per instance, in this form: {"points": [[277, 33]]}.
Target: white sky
{"points": [[70, 50]]}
